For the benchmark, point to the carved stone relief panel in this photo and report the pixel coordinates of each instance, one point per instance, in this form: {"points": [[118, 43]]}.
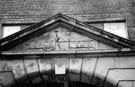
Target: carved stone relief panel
{"points": [[60, 39], [78, 41], [45, 42]]}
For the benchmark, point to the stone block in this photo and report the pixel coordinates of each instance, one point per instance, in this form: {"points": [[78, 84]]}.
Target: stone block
{"points": [[60, 29], [120, 74], [31, 66], [88, 66], [62, 36], [33, 70], [97, 25], [3, 64], [104, 46], [75, 66], [124, 62], [60, 66], [78, 37], [62, 46], [17, 67], [45, 42], [7, 78], [45, 67], [131, 33], [125, 84], [102, 67], [133, 84]]}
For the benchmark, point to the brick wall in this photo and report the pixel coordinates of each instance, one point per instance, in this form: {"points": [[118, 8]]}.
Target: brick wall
{"points": [[31, 11]]}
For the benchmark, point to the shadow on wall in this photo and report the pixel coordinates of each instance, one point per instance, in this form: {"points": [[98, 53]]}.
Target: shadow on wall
{"points": [[51, 80]]}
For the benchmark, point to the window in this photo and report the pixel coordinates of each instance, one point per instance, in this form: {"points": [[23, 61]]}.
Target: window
{"points": [[117, 28], [8, 29]]}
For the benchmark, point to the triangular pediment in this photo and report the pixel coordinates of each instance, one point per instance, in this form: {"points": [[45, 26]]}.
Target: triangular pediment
{"points": [[61, 32]]}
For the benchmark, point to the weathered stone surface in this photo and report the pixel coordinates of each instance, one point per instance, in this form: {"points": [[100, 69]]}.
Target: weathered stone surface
{"points": [[17, 67], [97, 25], [103, 46], [75, 66], [44, 42], [33, 70], [7, 78], [62, 46], [88, 66], [78, 41], [125, 84], [120, 74], [124, 62], [101, 69], [3, 64], [78, 37], [76, 69], [60, 65], [31, 66], [131, 33], [45, 67], [60, 39], [133, 85]]}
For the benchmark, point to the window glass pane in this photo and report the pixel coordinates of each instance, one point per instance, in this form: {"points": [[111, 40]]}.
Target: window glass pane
{"points": [[116, 28], [8, 30]]}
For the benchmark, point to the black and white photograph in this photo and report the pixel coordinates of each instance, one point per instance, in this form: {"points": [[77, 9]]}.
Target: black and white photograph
{"points": [[67, 43]]}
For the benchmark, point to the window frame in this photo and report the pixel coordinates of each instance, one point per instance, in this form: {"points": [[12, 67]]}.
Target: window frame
{"points": [[13, 24], [111, 21]]}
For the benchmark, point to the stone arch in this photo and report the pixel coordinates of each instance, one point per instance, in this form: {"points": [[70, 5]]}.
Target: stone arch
{"points": [[28, 81]]}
